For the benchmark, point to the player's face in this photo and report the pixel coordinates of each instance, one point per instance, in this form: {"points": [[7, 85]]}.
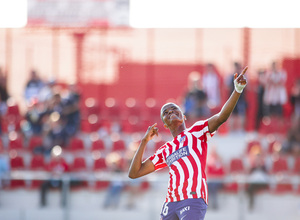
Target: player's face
{"points": [[171, 113]]}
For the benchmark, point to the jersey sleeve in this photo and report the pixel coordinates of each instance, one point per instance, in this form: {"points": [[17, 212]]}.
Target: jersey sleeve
{"points": [[158, 159], [201, 131]]}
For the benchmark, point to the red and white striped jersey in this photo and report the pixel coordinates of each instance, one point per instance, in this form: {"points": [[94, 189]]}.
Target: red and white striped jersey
{"points": [[186, 157]]}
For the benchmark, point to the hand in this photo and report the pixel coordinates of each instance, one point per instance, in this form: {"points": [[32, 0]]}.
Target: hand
{"points": [[240, 81], [151, 132]]}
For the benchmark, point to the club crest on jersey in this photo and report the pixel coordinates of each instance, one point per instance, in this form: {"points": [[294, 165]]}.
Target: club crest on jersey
{"points": [[181, 152], [182, 139]]}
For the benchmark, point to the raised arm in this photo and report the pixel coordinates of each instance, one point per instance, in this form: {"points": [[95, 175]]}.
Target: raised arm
{"points": [[239, 83], [139, 168]]}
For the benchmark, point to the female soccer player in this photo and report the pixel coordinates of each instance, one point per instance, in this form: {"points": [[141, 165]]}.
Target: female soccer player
{"points": [[185, 156]]}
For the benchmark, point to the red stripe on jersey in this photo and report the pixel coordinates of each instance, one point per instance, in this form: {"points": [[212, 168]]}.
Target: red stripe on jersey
{"points": [[170, 189], [197, 128]]}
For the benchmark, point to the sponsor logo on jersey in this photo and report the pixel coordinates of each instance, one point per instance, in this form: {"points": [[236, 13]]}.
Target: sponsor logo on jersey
{"points": [[181, 152]]}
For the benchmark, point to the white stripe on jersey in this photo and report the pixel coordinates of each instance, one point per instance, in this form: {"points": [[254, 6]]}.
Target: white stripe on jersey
{"points": [[181, 173], [172, 173], [205, 188], [197, 160], [191, 174], [181, 179]]}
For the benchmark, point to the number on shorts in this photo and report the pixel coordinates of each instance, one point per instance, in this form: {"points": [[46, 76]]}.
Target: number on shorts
{"points": [[165, 209]]}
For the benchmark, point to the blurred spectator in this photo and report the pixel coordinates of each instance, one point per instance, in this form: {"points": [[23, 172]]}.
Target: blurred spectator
{"points": [[134, 185], [34, 117], [261, 109], [195, 101], [33, 86], [3, 95], [215, 175], [57, 168], [295, 98], [4, 168], [237, 122], [47, 92], [211, 86], [71, 111], [113, 196], [258, 178], [275, 91], [54, 124], [292, 142]]}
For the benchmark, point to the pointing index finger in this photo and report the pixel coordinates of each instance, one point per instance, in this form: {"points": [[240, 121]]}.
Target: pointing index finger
{"points": [[244, 70], [242, 73]]}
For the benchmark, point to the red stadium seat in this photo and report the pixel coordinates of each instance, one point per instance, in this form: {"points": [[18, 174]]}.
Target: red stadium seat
{"points": [[35, 141], [17, 163], [76, 145], [37, 163], [91, 106], [118, 146], [98, 145], [100, 164], [280, 169], [79, 164], [236, 167], [280, 166], [15, 142]]}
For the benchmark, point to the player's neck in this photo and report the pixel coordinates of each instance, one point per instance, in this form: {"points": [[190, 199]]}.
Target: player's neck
{"points": [[177, 130]]}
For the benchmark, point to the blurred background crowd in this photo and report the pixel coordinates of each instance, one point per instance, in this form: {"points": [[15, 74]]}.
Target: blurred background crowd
{"points": [[77, 93]]}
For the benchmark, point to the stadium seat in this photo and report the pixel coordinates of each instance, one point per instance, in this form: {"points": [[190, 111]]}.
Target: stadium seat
{"points": [[79, 165], [132, 108], [91, 106], [236, 168], [281, 172], [99, 165], [112, 109], [98, 145], [17, 163], [118, 146], [76, 145], [15, 142], [35, 141], [280, 165], [37, 163]]}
